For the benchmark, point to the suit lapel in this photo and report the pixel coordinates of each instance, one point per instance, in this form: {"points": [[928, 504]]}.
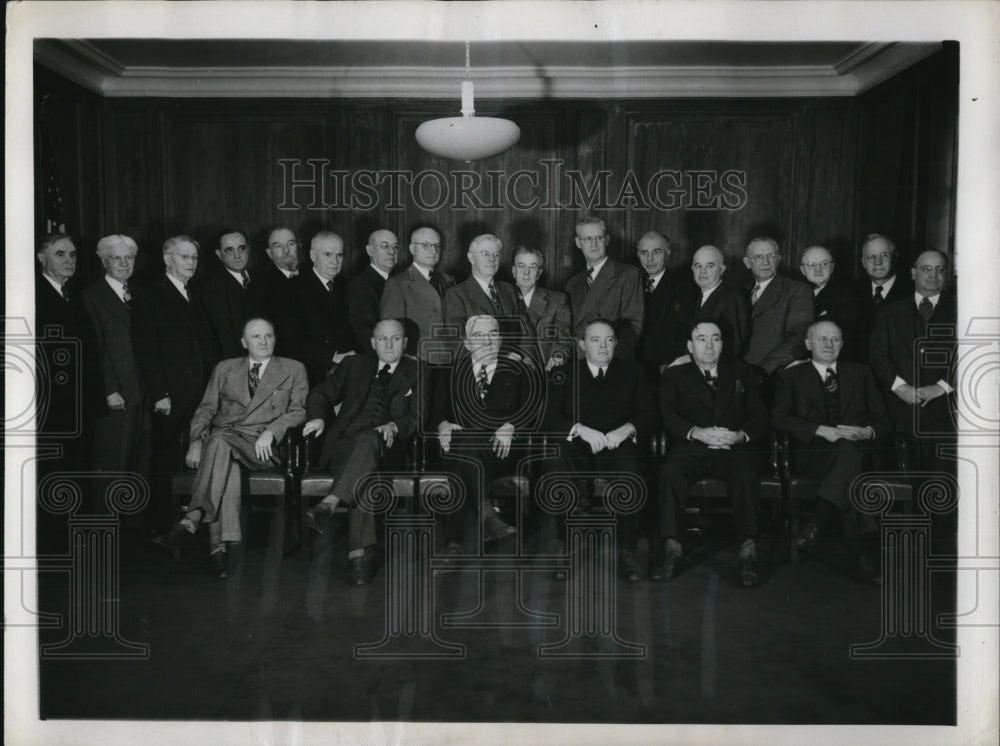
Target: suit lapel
{"points": [[274, 374], [725, 388], [539, 301], [771, 295], [604, 280], [424, 289], [238, 377]]}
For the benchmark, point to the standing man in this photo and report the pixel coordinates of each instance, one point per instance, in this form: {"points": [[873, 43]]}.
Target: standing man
{"points": [[713, 411], [249, 404], [918, 387], [719, 301], [414, 296], [481, 294], [364, 292], [606, 289], [664, 314], [121, 432], [603, 414], [781, 309], [548, 311], [380, 412], [269, 294], [223, 295], [833, 409], [172, 348], [882, 283], [832, 301], [322, 332]]}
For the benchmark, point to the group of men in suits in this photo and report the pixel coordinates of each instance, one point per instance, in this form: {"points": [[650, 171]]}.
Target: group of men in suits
{"points": [[156, 348]]}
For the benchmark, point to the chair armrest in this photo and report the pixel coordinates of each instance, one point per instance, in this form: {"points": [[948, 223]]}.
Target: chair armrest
{"points": [[781, 455], [289, 450], [901, 446]]}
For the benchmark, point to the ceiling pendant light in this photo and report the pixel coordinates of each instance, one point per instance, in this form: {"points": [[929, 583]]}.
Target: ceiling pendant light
{"points": [[468, 137]]}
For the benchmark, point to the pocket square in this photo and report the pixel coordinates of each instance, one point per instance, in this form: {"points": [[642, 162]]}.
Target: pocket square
{"points": [[408, 393], [739, 386]]}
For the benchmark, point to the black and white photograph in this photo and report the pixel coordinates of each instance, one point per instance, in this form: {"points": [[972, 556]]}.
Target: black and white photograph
{"points": [[475, 372]]}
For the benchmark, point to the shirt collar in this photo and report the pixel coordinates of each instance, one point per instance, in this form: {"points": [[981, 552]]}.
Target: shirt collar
{"points": [[382, 273], [392, 366], [320, 277], [764, 283], [528, 296], [821, 368], [817, 289], [263, 365], [181, 287], [425, 273], [706, 293], [886, 286], [656, 278], [53, 283], [485, 285], [287, 273], [238, 276], [116, 285], [595, 368], [917, 297], [598, 267], [714, 370]]}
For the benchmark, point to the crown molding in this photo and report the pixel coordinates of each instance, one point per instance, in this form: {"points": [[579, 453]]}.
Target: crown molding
{"points": [[868, 65]]}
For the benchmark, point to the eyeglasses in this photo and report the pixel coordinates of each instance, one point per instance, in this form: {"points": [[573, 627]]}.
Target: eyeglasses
{"points": [[290, 246], [487, 254], [593, 239], [928, 269], [763, 258], [128, 259], [385, 246], [817, 265], [527, 267], [494, 334], [428, 245], [884, 256]]}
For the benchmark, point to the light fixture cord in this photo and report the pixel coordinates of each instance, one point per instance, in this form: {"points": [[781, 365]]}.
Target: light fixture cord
{"points": [[466, 60]]}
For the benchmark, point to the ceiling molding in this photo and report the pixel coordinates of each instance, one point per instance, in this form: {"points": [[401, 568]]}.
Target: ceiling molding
{"points": [[864, 67]]}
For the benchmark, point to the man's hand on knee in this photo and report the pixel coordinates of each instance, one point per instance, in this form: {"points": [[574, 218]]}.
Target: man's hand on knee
{"points": [[193, 457], [263, 446]]}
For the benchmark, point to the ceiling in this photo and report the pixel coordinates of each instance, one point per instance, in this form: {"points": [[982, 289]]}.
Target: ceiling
{"points": [[368, 69]]}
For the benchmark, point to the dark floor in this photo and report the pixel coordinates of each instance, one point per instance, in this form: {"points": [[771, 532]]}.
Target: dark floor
{"points": [[279, 645]]}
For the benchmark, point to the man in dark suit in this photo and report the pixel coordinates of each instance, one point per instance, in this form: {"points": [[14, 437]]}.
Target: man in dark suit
{"points": [[270, 293], [781, 309], [606, 289], [918, 387], [171, 346], [223, 295], [414, 295], [548, 311], [482, 410], [834, 410], [249, 404], [65, 414], [713, 298], [122, 429], [481, 294], [364, 292], [882, 283], [380, 409], [714, 414], [831, 300], [664, 317], [322, 332], [604, 413]]}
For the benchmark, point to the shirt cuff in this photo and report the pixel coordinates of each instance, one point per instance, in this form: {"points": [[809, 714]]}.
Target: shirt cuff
{"points": [[688, 436], [947, 389], [897, 383], [574, 431]]}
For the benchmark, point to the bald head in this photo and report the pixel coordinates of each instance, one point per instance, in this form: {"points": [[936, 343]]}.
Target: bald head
{"points": [[382, 247], [707, 266]]}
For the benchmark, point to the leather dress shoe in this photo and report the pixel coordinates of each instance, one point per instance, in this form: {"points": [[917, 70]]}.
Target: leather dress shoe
{"points": [[495, 529], [628, 570], [664, 565], [360, 570], [865, 572], [219, 565], [313, 517], [805, 542], [177, 540]]}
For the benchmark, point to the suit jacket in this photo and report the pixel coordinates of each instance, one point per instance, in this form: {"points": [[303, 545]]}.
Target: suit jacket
{"points": [[730, 307], [894, 352], [508, 397], [364, 294], [617, 295], [270, 296], [779, 320], [687, 401], [623, 396], [349, 384], [112, 324], [551, 323], [224, 305], [321, 328], [277, 404], [799, 403], [866, 308], [665, 323], [837, 303], [411, 299], [172, 345]]}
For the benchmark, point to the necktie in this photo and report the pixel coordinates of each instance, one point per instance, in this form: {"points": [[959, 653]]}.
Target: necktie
{"points": [[755, 294], [590, 277], [527, 303], [187, 293], [294, 274], [482, 382], [926, 310], [878, 297], [65, 292], [383, 375], [329, 286], [600, 374], [435, 282], [126, 296], [494, 297], [831, 397], [245, 278], [710, 380], [650, 285], [254, 378]]}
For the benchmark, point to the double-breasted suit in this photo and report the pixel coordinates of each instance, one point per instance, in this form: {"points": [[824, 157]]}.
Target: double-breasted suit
{"points": [[271, 296], [617, 296], [224, 304], [665, 325], [364, 295], [838, 304], [688, 401], [778, 323], [228, 421], [551, 323], [321, 329], [409, 297], [729, 307], [867, 308]]}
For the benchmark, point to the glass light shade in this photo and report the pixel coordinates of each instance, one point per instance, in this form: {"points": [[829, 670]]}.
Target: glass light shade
{"points": [[467, 138]]}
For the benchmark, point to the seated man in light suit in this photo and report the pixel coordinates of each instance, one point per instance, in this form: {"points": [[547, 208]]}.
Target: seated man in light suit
{"points": [[713, 411], [835, 410], [248, 405], [548, 310], [380, 409]]}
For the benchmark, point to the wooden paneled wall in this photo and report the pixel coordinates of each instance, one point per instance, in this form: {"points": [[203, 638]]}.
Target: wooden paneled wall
{"points": [[805, 171]]}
